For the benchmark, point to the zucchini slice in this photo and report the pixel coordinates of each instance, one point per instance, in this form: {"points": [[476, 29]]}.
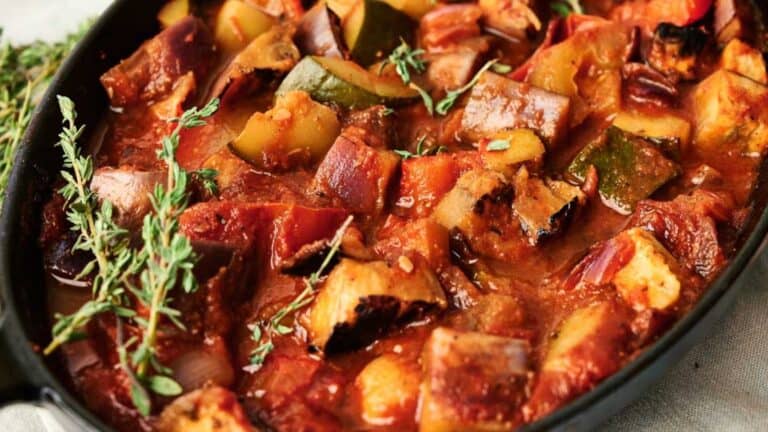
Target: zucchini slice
{"points": [[373, 29], [629, 167], [344, 83]]}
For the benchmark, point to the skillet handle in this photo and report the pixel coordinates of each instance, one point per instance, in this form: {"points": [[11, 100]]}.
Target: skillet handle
{"points": [[15, 383]]}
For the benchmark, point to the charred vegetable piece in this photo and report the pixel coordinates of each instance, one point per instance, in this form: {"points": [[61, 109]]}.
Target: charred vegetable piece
{"points": [[744, 60], [545, 207], [238, 23], [359, 301], [152, 71], [730, 110], [207, 410], [345, 83], [497, 103], [671, 132], [388, 386], [650, 278], [589, 345], [173, 12], [674, 50], [356, 174], [296, 129], [319, 33], [472, 381], [514, 147], [457, 208], [373, 29], [630, 168]]}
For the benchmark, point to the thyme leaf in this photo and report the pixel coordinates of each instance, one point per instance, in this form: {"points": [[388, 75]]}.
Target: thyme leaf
{"points": [[420, 150], [566, 7], [498, 145], [452, 96], [403, 58]]}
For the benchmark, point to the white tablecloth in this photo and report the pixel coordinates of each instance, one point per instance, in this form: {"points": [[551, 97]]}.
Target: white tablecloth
{"points": [[722, 385]]}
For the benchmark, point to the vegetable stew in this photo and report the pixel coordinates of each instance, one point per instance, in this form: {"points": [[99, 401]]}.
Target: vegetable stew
{"points": [[397, 214]]}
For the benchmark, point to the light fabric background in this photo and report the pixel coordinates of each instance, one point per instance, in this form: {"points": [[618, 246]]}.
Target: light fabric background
{"points": [[721, 385]]}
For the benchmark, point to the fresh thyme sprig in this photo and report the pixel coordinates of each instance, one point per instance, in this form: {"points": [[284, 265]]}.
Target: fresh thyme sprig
{"points": [[25, 72], [566, 7], [97, 234], [207, 176], [420, 150], [404, 58], [263, 333], [498, 145], [167, 256], [452, 96]]}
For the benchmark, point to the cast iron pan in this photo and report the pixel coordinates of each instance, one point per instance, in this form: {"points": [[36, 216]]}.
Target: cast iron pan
{"points": [[24, 327]]}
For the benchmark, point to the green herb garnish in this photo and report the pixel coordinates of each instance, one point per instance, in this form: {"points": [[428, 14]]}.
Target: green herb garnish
{"points": [[403, 58], [497, 145], [420, 150], [566, 7], [207, 176]]}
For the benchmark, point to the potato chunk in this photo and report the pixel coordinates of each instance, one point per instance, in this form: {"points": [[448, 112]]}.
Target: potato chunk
{"points": [[663, 125], [213, 409], [649, 279], [730, 111], [472, 381], [589, 346], [389, 388], [359, 301], [238, 23], [744, 60]]}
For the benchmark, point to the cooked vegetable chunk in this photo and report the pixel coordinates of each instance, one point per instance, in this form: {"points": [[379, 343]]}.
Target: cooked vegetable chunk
{"points": [[513, 18], [674, 50], [659, 125], [413, 8], [589, 345], [744, 60], [319, 33], [629, 167], [522, 146], [497, 103], [472, 381], [545, 207], [173, 12], [649, 279], [457, 208], [388, 387], [238, 23], [206, 410], [296, 129], [730, 111], [422, 236], [451, 70], [128, 190], [373, 29], [360, 301], [345, 83], [356, 174]]}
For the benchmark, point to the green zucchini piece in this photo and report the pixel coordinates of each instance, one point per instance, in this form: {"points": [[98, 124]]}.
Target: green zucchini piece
{"points": [[373, 29], [630, 168], [346, 84]]}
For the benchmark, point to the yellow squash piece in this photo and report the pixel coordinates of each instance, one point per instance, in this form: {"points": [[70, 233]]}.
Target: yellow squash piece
{"points": [[172, 12], [524, 145], [654, 126], [238, 23], [388, 386], [744, 60]]}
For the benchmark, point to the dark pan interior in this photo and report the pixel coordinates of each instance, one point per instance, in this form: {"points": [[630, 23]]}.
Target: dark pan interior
{"points": [[24, 325]]}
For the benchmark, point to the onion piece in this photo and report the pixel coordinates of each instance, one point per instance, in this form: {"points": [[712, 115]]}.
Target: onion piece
{"points": [[194, 369]]}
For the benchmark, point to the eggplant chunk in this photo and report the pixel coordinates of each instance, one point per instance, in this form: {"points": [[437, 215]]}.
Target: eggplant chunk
{"points": [[630, 168], [472, 381], [128, 190], [649, 279], [674, 50], [360, 301], [744, 60], [451, 70], [389, 387], [497, 103], [730, 111], [356, 174], [151, 72], [319, 33], [459, 206], [589, 346], [544, 207], [212, 409]]}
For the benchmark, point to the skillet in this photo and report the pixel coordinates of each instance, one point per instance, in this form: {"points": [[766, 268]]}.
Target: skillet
{"points": [[25, 376]]}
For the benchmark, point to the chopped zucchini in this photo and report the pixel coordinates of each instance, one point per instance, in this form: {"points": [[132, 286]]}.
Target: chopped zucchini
{"points": [[497, 103], [388, 387], [674, 50], [238, 23], [373, 29], [356, 174], [345, 83], [212, 409], [544, 207], [672, 128], [524, 146], [730, 111], [458, 208], [361, 300], [472, 381], [173, 12], [649, 279], [295, 129], [630, 168], [319, 33], [744, 60], [413, 8]]}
